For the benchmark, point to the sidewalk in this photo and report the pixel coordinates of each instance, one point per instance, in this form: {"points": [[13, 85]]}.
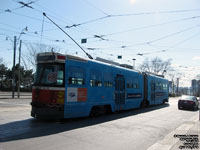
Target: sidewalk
{"points": [[8, 95], [186, 136]]}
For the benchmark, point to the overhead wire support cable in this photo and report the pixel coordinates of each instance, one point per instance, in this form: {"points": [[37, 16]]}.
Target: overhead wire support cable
{"points": [[153, 25], [131, 14], [155, 40], [90, 21], [164, 37], [183, 41], [89, 56], [100, 10], [152, 13], [173, 34]]}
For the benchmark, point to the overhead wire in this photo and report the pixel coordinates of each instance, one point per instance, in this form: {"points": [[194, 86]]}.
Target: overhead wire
{"points": [[60, 18], [181, 48], [100, 10], [171, 47], [52, 16], [107, 15], [154, 12], [164, 37], [181, 42], [153, 25], [32, 34], [141, 27], [133, 14], [29, 17], [20, 2], [173, 34], [128, 15], [152, 41], [89, 56]]}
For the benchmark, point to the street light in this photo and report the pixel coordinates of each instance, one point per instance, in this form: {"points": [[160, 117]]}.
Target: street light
{"points": [[134, 63], [13, 73], [19, 75], [22, 32]]}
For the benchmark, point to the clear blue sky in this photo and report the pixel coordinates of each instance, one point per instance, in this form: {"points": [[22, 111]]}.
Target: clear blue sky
{"points": [[169, 29]]}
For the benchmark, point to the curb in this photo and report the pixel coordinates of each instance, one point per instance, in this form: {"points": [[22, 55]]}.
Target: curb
{"points": [[170, 142]]}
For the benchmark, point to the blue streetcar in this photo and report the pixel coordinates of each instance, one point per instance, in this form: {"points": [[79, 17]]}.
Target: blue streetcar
{"points": [[70, 86]]}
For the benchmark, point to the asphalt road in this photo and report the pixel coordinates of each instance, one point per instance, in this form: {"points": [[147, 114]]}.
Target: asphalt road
{"points": [[129, 130]]}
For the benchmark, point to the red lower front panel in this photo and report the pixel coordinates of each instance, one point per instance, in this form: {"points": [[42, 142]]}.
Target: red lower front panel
{"points": [[48, 96], [48, 102]]}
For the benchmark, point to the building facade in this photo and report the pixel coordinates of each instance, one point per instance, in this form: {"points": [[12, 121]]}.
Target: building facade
{"points": [[195, 87]]}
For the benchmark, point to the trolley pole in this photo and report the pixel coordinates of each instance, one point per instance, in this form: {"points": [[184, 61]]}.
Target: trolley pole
{"points": [[19, 73], [13, 71]]}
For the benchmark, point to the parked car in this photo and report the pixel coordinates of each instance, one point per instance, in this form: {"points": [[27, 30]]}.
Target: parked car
{"points": [[188, 102]]}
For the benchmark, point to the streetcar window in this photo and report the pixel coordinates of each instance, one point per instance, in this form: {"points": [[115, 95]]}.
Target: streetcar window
{"points": [[130, 85], [108, 84], [152, 86], [49, 75], [165, 86], [161, 86], [75, 81], [157, 86], [133, 83], [108, 79], [95, 83], [76, 76], [95, 78], [136, 83], [60, 77]]}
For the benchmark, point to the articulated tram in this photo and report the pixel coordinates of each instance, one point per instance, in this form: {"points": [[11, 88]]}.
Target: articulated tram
{"points": [[67, 86]]}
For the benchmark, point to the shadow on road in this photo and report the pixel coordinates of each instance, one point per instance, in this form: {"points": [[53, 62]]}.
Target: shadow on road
{"points": [[33, 128]]}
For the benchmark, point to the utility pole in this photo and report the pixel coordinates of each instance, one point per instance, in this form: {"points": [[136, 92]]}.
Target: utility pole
{"points": [[13, 71], [173, 92], [19, 74], [177, 88]]}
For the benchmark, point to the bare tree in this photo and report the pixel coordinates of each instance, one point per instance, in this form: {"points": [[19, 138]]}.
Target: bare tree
{"points": [[29, 59], [1, 61], [155, 66], [174, 76]]}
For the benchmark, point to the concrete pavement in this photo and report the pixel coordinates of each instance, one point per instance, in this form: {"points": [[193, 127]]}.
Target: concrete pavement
{"points": [[8, 95], [186, 136], [128, 127]]}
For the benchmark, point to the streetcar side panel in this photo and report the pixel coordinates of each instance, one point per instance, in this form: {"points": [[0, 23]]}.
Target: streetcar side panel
{"points": [[76, 89], [157, 90], [90, 84], [100, 84], [134, 89]]}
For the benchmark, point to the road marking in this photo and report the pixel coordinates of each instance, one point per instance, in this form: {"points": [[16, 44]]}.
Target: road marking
{"points": [[159, 146], [185, 127]]}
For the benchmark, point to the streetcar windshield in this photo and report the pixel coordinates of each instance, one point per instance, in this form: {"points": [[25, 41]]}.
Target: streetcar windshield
{"points": [[49, 75]]}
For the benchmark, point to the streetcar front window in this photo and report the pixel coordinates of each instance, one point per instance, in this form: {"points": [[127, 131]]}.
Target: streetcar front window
{"points": [[49, 75]]}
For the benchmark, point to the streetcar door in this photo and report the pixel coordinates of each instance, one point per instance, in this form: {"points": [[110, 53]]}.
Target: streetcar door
{"points": [[153, 93], [119, 92]]}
